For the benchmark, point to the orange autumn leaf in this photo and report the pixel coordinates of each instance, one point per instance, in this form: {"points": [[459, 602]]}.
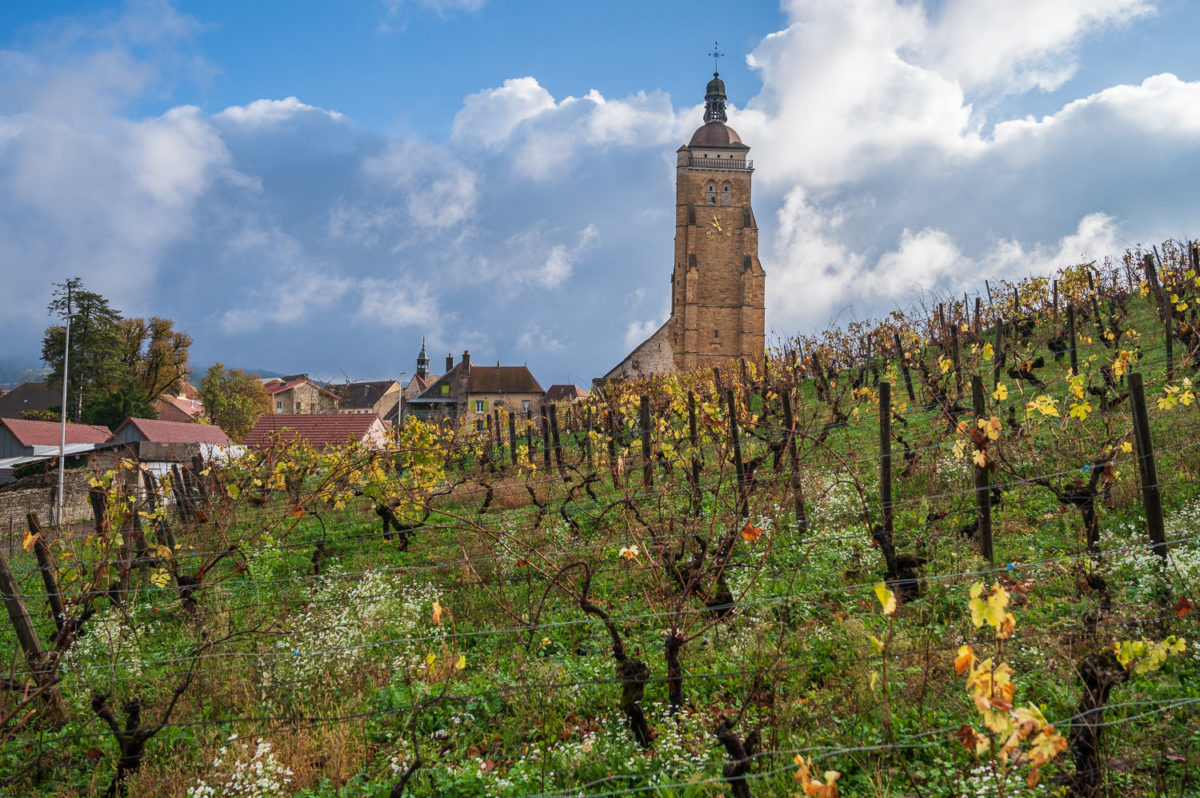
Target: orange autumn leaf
{"points": [[437, 612], [751, 533], [28, 541], [296, 511], [1182, 607], [964, 660]]}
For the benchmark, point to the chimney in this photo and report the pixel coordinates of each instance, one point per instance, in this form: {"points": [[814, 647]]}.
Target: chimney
{"points": [[449, 363], [466, 363]]}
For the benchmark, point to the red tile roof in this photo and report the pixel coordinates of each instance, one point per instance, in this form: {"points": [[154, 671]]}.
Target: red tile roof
{"points": [[563, 393], [166, 410], [46, 433], [319, 429], [159, 431]]}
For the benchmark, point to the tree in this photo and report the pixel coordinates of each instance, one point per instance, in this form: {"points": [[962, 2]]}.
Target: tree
{"points": [[114, 407], [94, 366], [154, 355], [233, 400], [117, 366]]}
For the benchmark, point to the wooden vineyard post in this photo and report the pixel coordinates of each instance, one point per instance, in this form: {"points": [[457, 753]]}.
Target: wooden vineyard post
{"points": [[612, 448], [644, 423], [558, 455], [529, 433], [499, 434], [587, 440], [1155, 288], [162, 527], [1168, 334], [983, 491], [694, 440], [912, 397], [885, 457], [978, 325], [1071, 347], [998, 353], [512, 438], [789, 421], [739, 467], [46, 566], [1054, 307], [27, 636], [1151, 492], [954, 357], [545, 439]]}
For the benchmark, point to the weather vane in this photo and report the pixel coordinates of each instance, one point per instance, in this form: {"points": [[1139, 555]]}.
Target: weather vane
{"points": [[715, 54]]}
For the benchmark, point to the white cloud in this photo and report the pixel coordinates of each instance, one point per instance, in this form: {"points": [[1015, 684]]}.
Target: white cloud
{"points": [[261, 113], [289, 301], [1017, 45], [438, 191], [532, 259], [533, 339], [398, 303], [489, 117], [544, 136], [639, 331]]}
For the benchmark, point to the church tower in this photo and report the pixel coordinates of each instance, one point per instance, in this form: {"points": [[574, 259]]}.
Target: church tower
{"points": [[717, 284]]}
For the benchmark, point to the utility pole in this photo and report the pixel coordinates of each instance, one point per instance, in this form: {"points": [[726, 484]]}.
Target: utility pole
{"points": [[62, 435]]}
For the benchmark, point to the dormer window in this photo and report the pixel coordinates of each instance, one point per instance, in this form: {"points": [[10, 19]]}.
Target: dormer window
{"points": [[711, 193]]}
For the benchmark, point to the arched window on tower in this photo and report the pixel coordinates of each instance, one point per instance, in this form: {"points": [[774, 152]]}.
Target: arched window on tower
{"points": [[726, 194], [711, 193]]}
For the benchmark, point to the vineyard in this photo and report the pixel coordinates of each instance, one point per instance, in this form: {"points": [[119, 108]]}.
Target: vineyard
{"points": [[950, 553]]}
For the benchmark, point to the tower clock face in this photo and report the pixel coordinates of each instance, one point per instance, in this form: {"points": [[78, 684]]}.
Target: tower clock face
{"points": [[719, 228]]}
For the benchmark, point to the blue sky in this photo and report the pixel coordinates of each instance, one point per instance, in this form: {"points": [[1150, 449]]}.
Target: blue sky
{"points": [[313, 186]]}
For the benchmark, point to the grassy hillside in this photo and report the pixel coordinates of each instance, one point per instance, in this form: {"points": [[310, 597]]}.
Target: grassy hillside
{"points": [[739, 614]]}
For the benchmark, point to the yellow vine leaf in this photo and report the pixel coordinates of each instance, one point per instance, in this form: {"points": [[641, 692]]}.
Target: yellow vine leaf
{"points": [[1001, 392], [461, 663], [990, 611], [28, 541], [886, 598]]}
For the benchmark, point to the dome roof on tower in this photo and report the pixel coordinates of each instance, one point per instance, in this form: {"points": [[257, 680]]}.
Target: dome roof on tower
{"points": [[717, 134]]}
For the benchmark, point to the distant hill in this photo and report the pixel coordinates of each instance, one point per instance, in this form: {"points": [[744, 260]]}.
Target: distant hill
{"points": [[13, 372]]}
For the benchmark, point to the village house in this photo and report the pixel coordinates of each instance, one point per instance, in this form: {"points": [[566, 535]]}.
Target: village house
{"points": [[297, 394], [469, 392], [320, 430], [379, 397], [28, 397], [160, 446], [23, 441], [184, 406], [564, 394]]}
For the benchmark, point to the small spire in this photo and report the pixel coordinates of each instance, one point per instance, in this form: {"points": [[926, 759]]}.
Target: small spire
{"points": [[714, 95], [714, 55]]}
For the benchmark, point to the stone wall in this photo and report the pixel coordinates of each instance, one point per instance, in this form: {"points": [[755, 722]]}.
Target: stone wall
{"points": [[652, 356], [38, 494]]}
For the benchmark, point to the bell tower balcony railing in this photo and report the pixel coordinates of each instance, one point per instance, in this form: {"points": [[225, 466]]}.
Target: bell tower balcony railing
{"points": [[703, 162]]}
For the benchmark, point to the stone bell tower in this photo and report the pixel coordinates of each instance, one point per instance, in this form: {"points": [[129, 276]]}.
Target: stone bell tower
{"points": [[717, 284]]}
